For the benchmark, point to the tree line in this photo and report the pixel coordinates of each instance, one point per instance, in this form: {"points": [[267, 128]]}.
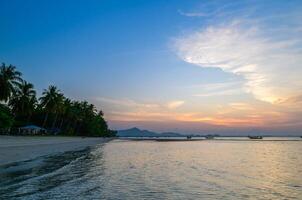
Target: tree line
{"points": [[19, 106]]}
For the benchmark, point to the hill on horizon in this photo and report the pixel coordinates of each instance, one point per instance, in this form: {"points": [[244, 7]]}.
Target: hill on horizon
{"points": [[136, 132]]}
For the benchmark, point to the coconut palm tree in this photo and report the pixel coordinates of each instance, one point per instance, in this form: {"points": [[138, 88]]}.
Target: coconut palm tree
{"points": [[59, 108], [76, 112], [9, 77], [6, 118], [65, 111], [23, 100], [50, 101]]}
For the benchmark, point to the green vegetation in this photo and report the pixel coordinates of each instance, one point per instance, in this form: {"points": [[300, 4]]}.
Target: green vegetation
{"points": [[52, 111]]}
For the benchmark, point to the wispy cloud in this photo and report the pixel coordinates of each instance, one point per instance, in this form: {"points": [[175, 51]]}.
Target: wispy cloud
{"points": [[216, 85], [193, 14], [130, 104], [219, 89], [219, 93], [127, 102], [206, 11], [220, 86], [241, 106], [263, 51], [175, 104], [251, 52], [236, 114], [292, 100]]}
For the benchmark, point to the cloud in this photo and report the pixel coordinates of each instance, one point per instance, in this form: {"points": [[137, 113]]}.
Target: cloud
{"points": [[219, 89], [193, 14], [175, 104], [207, 11], [292, 100], [227, 121], [241, 106], [236, 114], [140, 105], [220, 86], [219, 93], [127, 103], [270, 62], [263, 51]]}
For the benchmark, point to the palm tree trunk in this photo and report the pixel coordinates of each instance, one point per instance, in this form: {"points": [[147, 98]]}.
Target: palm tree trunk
{"points": [[45, 120], [78, 128], [28, 118], [54, 121], [61, 124], [75, 126], [68, 123]]}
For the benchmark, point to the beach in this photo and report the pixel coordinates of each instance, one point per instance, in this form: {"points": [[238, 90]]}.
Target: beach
{"points": [[127, 169], [21, 148]]}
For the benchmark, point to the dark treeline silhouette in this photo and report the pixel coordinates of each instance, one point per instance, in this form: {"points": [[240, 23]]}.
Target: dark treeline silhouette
{"points": [[52, 111]]}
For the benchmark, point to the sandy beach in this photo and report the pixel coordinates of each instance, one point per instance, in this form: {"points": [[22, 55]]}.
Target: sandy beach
{"points": [[21, 148]]}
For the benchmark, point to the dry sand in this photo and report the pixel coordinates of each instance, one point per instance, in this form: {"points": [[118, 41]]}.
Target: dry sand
{"points": [[21, 148]]}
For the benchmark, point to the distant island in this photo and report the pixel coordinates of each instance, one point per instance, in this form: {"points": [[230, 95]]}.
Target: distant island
{"points": [[136, 132]]}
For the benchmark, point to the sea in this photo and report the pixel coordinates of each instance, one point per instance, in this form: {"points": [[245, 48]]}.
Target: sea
{"points": [[228, 168]]}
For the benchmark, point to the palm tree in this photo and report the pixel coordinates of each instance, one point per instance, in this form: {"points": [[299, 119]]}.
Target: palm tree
{"points": [[23, 100], [76, 112], [65, 111], [59, 108], [50, 101], [9, 77]]}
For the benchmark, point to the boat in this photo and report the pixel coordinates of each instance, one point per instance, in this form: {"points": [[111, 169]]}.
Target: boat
{"points": [[209, 137], [255, 137]]}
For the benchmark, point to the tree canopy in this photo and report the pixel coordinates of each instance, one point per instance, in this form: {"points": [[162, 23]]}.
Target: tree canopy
{"points": [[53, 110], [9, 78]]}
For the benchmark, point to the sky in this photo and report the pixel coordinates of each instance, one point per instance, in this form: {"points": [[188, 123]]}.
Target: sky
{"points": [[227, 67]]}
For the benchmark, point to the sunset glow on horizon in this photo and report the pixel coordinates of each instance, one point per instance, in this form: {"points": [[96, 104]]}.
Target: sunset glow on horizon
{"points": [[186, 66]]}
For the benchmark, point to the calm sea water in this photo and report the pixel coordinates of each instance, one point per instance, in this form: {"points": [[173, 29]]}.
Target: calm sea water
{"points": [[162, 170]]}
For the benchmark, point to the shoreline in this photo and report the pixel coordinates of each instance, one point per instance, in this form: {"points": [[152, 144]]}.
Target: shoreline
{"points": [[239, 139], [22, 148]]}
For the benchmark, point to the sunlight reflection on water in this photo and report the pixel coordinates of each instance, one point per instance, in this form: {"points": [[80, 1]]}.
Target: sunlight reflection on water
{"points": [[162, 170]]}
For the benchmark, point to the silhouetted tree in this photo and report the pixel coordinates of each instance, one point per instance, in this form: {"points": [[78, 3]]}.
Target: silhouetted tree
{"points": [[50, 100], [70, 117], [23, 100], [9, 77]]}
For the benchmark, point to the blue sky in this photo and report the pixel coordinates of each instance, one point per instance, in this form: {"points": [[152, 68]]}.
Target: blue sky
{"points": [[164, 65]]}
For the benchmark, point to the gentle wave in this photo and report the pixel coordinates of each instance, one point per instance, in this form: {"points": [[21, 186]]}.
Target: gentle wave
{"points": [[155, 170]]}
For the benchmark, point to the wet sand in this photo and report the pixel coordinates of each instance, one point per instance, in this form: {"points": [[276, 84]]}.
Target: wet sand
{"points": [[21, 148]]}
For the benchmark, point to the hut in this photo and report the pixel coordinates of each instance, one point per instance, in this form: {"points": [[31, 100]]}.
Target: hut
{"points": [[32, 130]]}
